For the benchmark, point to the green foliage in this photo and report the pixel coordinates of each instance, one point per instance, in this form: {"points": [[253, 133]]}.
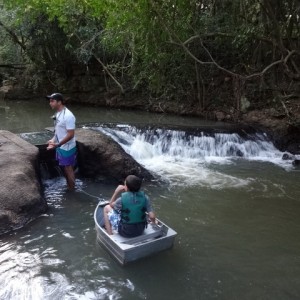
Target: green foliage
{"points": [[8, 52], [166, 46]]}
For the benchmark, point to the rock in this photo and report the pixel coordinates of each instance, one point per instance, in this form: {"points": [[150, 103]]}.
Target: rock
{"points": [[287, 156], [20, 192], [239, 153], [245, 104], [293, 147], [220, 116], [285, 136], [296, 162], [100, 156], [49, 167]]}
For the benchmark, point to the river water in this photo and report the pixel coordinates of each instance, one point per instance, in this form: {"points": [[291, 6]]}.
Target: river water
{"points": [[233, 202]]}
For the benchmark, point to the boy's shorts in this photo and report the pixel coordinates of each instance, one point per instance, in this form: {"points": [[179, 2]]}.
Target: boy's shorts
{"points": [[66, 158], [114, 219]]}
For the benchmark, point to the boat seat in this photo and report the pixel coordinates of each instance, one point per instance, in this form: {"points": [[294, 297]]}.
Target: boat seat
{"points": [[150, 233], [143, 238]]}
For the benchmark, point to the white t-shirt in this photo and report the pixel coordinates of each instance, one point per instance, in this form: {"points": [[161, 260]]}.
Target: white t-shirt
{"points": [[65, 120]]}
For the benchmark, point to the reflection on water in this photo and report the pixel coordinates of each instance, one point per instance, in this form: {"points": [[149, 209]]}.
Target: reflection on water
{"points": [[233, 243], [34, 116], [18, 273], [238, 235]]}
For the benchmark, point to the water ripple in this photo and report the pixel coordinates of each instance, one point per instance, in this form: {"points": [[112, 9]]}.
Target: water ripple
{"points": [[18, 274]]}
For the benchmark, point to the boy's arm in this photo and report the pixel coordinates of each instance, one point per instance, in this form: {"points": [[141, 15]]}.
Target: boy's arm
{"points": [[120, 189], [151, 216]]}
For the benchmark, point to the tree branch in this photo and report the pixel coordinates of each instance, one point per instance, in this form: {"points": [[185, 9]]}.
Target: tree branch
{"points": [[213, 62], [109, 73], [13, 36], [281, 61], [102, 64], [13, 66]]}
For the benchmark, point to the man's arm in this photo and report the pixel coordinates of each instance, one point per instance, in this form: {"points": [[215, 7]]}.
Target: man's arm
{"points": [[68, 137], [51, 143]]}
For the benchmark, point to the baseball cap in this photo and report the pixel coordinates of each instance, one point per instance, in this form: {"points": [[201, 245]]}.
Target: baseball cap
{"points": [[56, 96]]}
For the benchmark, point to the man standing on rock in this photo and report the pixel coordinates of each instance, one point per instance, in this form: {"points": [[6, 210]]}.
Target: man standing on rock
{"points": [[64, 139]]}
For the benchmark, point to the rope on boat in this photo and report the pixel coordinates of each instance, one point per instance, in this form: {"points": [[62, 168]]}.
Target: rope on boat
{"points": [[102, 200]]}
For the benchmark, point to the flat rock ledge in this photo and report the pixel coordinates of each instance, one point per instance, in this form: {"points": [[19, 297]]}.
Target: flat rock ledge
{"points": [[21, 199], [99, 156]]}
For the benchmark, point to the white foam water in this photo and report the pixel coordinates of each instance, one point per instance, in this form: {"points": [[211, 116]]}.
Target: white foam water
{"points": [[184, 159]]}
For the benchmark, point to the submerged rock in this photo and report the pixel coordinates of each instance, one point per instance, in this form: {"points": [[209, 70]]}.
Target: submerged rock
{"points": [[296, 162], [100, 156], [288, 156], [20, 191]]}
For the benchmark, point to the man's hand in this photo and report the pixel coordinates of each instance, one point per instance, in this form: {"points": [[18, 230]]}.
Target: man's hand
{"points": [[51, 145]]}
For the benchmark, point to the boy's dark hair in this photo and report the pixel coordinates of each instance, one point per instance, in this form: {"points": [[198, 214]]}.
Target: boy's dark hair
{"points": [[133, 183]]}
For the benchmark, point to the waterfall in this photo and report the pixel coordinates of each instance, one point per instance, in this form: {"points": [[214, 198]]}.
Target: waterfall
{"points": [[155, 142], [186, 158], [190, 157]]}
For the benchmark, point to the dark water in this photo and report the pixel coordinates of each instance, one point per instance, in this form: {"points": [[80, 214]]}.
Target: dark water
{"points": [[31, 116], [237, 221]]}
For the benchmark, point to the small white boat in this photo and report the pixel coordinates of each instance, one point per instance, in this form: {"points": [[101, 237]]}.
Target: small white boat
{"points": [[155, 238]]}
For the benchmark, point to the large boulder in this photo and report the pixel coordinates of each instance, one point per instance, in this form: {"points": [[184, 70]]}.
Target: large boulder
{"points": [[20, 191], [101, 157]]}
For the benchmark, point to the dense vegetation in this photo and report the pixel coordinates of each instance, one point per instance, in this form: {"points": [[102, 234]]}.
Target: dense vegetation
{"points": [[209, 52]]}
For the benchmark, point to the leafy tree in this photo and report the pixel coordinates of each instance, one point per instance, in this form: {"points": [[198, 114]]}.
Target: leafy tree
{"points": [[172, 49]]}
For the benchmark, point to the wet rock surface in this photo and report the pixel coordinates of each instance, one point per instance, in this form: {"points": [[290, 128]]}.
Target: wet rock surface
{"points": [[20, 191], [284, 133], [296, 163], [99, 156]]}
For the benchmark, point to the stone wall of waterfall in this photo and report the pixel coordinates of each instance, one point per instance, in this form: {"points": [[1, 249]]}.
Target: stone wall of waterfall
{"points": [[185, 158]]}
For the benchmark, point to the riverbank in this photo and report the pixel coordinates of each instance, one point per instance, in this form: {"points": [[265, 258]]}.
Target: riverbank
{"points": [[281, 121]]}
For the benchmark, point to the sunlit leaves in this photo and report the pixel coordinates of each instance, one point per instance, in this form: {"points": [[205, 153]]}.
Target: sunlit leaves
{"points": [[141, 38]]}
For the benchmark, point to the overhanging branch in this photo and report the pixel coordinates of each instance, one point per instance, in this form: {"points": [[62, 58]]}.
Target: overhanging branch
{"points": [[13, 36], [13, 66], [101, 63]]}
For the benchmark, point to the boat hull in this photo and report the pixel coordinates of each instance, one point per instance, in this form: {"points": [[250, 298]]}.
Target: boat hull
{"points": [[156, 238]]}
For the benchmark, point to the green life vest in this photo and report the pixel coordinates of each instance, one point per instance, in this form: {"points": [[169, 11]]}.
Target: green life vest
{"points": [[133, 207]]}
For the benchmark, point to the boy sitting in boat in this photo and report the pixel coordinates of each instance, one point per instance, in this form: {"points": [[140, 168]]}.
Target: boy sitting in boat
{"points": [[126, 211]]}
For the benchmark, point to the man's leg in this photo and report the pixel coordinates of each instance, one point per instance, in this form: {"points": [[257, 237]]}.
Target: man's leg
{"points": [[70, 176]]}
